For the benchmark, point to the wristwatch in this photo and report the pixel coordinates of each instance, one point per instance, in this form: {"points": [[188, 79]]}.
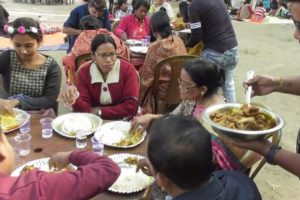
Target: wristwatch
{"points": [[271, 153]]}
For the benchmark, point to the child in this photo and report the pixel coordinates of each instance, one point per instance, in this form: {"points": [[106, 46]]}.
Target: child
{"points": [[95, 174], [180, 155]]}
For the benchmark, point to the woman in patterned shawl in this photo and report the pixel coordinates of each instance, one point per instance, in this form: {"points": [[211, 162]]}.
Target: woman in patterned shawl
{"points": [[166, 45], [30, 80]]}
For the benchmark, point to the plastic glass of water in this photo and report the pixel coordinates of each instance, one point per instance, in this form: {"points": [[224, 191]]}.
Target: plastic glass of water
{"points": [[144, 42], [26, 127], [47, 130], [147, 38], [23, 144], [81, 139], [98, 146]]}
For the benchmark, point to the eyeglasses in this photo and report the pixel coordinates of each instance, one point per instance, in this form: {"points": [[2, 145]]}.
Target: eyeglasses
{"points": [[107, 55], [297, 24], [181, 84]]}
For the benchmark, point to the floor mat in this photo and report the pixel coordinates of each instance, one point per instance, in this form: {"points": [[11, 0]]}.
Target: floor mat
{"points": [[51, 42]]}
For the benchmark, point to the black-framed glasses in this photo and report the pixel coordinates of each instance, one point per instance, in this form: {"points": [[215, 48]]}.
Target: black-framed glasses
{"points": [[186, 87], [108, 55]]}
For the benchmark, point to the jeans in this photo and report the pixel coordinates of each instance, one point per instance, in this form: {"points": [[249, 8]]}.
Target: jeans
{"points": [[226, 61]]}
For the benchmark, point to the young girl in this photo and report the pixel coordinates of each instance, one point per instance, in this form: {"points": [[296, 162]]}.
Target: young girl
{"points": [[31, 80]]}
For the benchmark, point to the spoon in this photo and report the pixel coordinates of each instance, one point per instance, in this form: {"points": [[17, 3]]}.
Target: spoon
{"points": [[250, 75]]}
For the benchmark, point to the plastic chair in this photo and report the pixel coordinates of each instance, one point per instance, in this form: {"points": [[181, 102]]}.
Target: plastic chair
{"points": [[172, 96]]}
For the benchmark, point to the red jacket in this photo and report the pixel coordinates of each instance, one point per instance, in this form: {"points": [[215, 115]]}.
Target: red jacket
{"points": [[95, 174], [124, 94]]}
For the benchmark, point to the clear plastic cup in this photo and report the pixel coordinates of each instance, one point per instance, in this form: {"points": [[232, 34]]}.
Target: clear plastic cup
{"points": [[26, 126], [47, 130], [81, 139], [23, 142], [148, 38], [144, 42], [98, 146]]}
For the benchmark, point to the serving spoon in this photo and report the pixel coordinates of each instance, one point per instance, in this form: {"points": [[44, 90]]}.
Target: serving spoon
{"points": [[250, 75]]}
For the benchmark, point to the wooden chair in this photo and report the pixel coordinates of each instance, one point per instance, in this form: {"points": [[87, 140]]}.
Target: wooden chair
{"points": [[78, 62], [276, 138], [172, 96]]}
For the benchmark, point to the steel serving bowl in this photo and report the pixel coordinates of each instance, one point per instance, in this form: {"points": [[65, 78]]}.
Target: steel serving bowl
{"points": [[242, 134]]}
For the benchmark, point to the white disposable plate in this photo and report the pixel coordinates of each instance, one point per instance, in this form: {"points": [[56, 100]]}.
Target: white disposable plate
{"points": [[185, 31], [112, 132], [59, 123], [129, 180], [139, 49], [133, 42], [22, 117], [41, 164]]}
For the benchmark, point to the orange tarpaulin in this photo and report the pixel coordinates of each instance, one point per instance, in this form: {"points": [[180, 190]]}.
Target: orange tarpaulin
{"points": [[49, 40]]}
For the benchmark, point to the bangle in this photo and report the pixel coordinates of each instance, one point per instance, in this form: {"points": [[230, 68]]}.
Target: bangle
{"points": [[271, 153], [280, 85]]}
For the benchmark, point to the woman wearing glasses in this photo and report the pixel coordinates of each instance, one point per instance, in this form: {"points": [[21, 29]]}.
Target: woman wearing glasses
{"points": [[107, 86], [199, 83]]}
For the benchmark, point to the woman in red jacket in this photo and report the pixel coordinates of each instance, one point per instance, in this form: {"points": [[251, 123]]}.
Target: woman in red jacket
{"points": [[107, 86]]}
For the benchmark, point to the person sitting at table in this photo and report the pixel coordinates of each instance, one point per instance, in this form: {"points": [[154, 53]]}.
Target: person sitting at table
{"points": [[96, 8], [199, 83], [166, 5], [101, 171], [107, 86], [182, 18], [136, 25], [180, 159], [91, 27], [121, 10], [166, 45], [30, 80]]}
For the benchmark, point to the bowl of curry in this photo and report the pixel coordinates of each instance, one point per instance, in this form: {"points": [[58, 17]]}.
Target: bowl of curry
{"points": [[242, 121]]}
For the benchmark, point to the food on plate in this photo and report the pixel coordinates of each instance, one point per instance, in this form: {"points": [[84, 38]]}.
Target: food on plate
{"points": [[75, 123], [131, 160], [244, 118], [130, 139], [131, 181], [28, 168], [8, 121]]}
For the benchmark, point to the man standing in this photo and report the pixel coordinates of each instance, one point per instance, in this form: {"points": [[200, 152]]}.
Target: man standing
{"points": [[210, 23], [95, 8]]}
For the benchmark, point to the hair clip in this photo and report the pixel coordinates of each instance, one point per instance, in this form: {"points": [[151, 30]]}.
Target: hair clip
{"points": [[21, 29]]}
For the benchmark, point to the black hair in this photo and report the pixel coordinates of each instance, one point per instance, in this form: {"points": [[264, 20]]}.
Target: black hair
{"points": [[180, 148], [139, 3], [163, 9], [204, 73], [28, 23], [99, 5], [89, 22], [183, 11], [261, 4], [121, 2], [160, 22], [101, 39]]}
